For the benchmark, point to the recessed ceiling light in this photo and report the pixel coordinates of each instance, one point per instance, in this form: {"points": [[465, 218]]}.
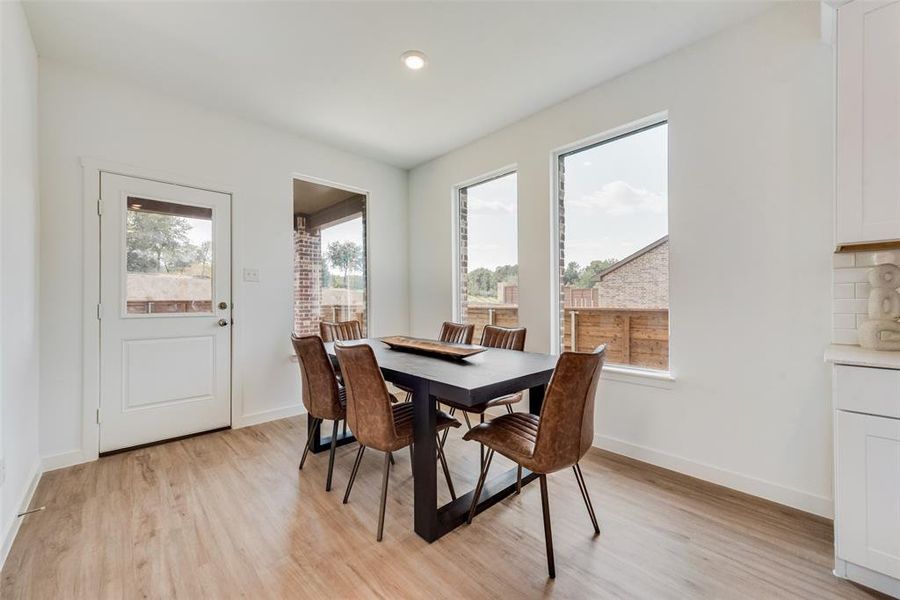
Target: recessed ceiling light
{"points": [[413, 59]]}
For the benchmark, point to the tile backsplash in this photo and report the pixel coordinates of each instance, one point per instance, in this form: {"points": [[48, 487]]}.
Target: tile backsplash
{"points": [[850, 291]]}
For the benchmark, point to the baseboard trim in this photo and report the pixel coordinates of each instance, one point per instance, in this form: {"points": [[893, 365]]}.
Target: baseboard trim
{"points": [[63, 460], [868, 578], [811, 503], [27, 494], [269, 415]]}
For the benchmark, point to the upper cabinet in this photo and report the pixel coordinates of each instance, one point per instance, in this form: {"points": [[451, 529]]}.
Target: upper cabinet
{"points": [[868, 122]]}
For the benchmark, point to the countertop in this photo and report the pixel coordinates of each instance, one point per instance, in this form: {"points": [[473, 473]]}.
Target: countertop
{"points": [[841, 354]]}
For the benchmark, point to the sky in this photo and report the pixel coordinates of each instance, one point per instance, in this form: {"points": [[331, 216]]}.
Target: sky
{"points": [[616, 197]]}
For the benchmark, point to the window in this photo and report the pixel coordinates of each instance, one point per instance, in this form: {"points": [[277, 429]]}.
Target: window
{"points": [[614, 248], [330, 271], [168, 257], [488, 290]]}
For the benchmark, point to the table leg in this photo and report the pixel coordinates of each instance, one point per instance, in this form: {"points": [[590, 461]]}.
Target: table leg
{"points": [[424, 465], [323, 444], [536, 398]]}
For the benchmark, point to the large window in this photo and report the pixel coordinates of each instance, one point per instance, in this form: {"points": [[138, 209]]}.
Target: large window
{"points": [[488, 290], [614, 248]]}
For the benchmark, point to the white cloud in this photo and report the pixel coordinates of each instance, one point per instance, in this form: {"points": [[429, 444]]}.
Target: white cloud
{"points": [[619, 198], [489, 206]]}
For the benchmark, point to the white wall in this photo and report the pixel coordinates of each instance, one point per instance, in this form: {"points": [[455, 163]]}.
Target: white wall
{"points": [[18, 268], [85, 115], [750, 188]]}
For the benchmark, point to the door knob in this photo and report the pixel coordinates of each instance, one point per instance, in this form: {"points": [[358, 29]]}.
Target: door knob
{"points": [[223, 323]]}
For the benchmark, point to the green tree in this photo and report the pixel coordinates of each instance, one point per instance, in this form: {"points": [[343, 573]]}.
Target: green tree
{"points": [[586, 278], [507, 274], [156, 242], [203, 257], [346, 256], [481, 282], [572, 273]]}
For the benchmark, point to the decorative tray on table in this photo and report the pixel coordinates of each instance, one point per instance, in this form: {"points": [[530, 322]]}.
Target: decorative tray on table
{"points": [[432, 347]]}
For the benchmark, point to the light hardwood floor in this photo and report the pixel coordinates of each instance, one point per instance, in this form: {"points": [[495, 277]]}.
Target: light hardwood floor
{"points": [[228, 515]]}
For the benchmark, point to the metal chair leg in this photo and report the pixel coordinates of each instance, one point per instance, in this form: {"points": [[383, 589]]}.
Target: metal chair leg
{"points": [[443, 459], [582, 485], [548, 534], [358, 460], [384, 486], [479, 486], [509, 409], [518, 479], [391, 457], [466, 417], [481, 416], [344, 432], [334, 431], [447, 430], [309, 441]]}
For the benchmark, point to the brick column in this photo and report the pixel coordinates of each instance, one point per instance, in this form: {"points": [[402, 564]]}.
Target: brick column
{"points": [[463, 238], [560, 194], [307, 278]]}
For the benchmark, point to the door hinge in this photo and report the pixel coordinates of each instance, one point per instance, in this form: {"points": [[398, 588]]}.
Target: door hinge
{"points": [[99, 311], [100, 206], [98, 416]]}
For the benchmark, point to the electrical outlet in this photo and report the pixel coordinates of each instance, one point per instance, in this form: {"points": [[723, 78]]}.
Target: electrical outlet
{"points": [[251, 275]]}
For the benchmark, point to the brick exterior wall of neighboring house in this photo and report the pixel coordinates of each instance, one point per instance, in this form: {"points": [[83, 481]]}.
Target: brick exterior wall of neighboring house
{"points": [[642, 282], [307, 278]]}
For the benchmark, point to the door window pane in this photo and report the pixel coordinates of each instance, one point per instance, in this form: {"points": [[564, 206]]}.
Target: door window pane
{"points": [[169, 260]]}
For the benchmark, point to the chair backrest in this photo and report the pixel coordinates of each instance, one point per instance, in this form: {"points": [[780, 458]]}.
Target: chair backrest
{"points": [[457, 333], [369, 413], [340, 330], [566, 429], [321, 396], [508, 338]]}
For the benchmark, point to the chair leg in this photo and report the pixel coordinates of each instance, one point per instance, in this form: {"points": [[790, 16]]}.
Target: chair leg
{"points": [[481, 417], [344, 432], [443, 459], [391, 457], [384, 486], [312, 434], [447, 431], [518, 479], [509, 409], [466, 417], [582, 485], [334, 431], [479, 486], [548, 534], [358, 460]]}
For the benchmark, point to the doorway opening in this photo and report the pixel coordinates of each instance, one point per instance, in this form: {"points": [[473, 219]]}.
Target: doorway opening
{"points": [[330, 256]]}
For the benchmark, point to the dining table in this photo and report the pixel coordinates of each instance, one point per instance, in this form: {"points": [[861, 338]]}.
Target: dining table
{"points": [[472, 381]]}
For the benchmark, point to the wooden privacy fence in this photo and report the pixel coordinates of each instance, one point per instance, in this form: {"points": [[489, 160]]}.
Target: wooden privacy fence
{"points": [[638, 337], [342, 312]]}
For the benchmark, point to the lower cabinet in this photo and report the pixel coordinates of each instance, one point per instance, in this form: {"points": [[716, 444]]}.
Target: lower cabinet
{"points": [[867, 491]]}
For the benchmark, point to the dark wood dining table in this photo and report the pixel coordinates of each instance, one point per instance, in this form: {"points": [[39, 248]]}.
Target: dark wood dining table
{"points": [[470, 382]]}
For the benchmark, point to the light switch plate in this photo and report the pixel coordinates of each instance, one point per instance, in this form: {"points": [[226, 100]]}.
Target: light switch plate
{"points": [[251, 275]]}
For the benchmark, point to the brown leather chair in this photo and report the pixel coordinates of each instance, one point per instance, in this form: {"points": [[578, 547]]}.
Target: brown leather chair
{"points": [[377, 423], [555, 440], [341, 330], [322, 396], [457, 333]]}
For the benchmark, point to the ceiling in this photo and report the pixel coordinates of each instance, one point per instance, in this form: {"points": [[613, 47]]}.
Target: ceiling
{"points": [[311, 197], [331, 71]]}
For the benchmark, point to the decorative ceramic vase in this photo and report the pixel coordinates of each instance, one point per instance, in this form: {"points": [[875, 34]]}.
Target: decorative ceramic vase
{"points": [[882, 331]]}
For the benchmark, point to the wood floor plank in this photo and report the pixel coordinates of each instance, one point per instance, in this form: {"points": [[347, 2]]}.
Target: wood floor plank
{"points": [[228, 515]]}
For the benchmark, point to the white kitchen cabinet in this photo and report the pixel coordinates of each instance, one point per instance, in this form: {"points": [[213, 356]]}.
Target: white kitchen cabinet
{"points": [[867, 491], [867, 202]]}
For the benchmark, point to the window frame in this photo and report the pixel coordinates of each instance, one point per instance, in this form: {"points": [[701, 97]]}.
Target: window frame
{"points": [[624, 373], [456, 286]]}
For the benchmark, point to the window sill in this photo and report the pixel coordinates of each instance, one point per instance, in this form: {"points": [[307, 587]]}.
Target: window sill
{"points": [[638, 376]]}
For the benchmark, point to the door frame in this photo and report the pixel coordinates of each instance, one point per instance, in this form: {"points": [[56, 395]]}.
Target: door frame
{"points": [[366, 233], [90, 393]]}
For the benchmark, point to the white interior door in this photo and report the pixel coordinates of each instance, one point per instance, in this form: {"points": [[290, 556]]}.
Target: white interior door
{"points": [[165, 311]]}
